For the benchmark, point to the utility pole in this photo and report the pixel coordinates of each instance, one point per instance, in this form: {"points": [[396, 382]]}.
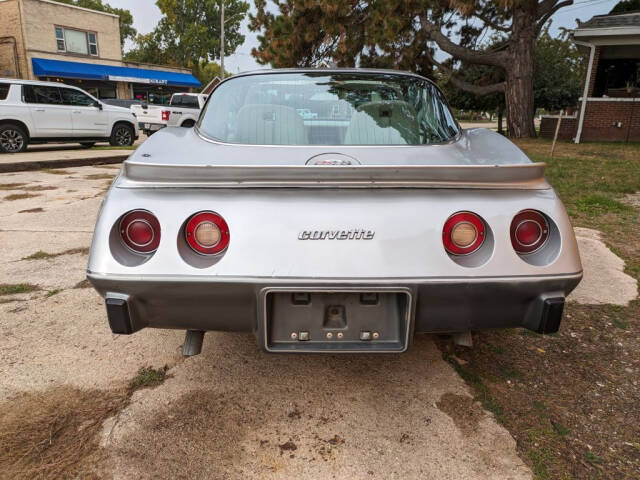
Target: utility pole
{"points": [[221, 39]]}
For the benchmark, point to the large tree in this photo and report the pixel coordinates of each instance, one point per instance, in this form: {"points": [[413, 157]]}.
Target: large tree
{"points": [[400, 35], [188, 34], [126, 19]]}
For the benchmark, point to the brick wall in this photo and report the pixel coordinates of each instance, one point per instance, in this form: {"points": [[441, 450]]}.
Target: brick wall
{"points": [[11, 31], [594, 71], [611, 121], [41, 17], [568, 127]]}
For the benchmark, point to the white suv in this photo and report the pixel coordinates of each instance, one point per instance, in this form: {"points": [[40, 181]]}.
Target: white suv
{"points": [[42, 112]]}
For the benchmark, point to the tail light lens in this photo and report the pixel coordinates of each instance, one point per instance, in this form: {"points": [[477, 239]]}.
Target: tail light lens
{"points": [[463, 233], [140, 231], [207, 233], [529, 231], [165, 115]]}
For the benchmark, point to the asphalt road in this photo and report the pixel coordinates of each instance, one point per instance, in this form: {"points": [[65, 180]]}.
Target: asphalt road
{"points": [[233, 411]]}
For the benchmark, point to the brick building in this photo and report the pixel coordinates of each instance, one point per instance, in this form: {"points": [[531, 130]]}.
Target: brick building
{"points": [[46, 40], [609, 109]]}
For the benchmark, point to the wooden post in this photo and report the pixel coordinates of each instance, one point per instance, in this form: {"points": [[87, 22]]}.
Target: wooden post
{"points": [[555, 135]]}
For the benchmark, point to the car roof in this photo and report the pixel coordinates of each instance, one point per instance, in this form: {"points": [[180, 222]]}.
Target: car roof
{"points": [[386, 71], [35, 82]]}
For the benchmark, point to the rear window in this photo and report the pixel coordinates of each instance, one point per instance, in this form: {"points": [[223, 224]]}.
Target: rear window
{"points": [[321, 108], [4, 90], [185, 101]]}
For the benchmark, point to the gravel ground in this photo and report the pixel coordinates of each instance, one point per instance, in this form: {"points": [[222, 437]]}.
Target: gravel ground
{"points": [[233, 411]]}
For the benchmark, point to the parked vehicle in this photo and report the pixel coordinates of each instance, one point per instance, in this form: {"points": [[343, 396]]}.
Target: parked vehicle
{"points": [[183, 111], [347, 233], [34, 112], [120, 102]]}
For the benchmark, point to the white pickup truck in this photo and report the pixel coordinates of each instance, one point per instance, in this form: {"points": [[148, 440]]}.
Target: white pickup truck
{"points": [[183, 111]]}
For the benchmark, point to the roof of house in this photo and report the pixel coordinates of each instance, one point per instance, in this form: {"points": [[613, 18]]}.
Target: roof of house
{"points": [[630, 19]]}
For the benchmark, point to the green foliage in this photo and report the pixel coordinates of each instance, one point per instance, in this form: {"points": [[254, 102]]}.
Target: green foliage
{"points": [[148, 377], [13, 288], [381, 34], [558, 74], [626, 6], [188, 35], [126, 19]]}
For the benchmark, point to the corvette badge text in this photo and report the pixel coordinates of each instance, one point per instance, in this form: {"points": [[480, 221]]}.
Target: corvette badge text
{"points": [[353, 234]]}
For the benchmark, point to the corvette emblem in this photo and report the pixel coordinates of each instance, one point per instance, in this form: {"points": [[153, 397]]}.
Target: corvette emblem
{"points": [[353, 234]]}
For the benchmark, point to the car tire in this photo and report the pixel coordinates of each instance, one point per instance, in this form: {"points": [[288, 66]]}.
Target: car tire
{"points": [[188, 124], [87, 144], [13, 138], [122, 135]]}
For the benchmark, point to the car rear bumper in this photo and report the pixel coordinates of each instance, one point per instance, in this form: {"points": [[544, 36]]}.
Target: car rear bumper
{"points": [[150, 127], [240, 304]]}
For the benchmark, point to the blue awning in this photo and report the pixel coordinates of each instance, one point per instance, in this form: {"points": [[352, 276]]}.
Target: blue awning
{"points": [[44, 67]]}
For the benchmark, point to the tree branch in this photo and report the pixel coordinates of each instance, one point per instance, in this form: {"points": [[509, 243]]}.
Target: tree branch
{"points": [[495, 58], [489, 23], [548, 11], [467, 87]]}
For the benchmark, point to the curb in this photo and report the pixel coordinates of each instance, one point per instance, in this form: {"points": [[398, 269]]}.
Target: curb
{"points": [[64, 163]]}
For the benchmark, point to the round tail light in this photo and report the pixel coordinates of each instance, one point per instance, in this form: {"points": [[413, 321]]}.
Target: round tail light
{"points": [[463, 233], [140, 231], [207, 233], [529, 231]]}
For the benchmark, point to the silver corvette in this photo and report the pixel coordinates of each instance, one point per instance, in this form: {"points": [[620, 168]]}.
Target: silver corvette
{"points": [[331, 211]]}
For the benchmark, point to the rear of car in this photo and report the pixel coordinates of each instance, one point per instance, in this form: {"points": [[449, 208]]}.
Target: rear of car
{"points": [[332, 211], [185, 109], [151, 118]]}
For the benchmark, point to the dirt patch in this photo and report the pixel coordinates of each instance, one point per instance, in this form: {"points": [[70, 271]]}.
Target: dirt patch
{"points": [[203, 425], [463, 410], [19, 196], [99, 176], [38, 188], [83, 284], [56, 171], [12, 186], [52, 434], [632, 199], [32, 210]]}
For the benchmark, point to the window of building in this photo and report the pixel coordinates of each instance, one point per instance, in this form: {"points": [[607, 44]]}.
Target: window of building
{"points": [[618, 77], [76, 41], [4, 90], [42, 94]]}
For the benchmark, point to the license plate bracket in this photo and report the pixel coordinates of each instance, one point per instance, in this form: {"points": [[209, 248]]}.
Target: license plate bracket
{"points": [[349, 320]]}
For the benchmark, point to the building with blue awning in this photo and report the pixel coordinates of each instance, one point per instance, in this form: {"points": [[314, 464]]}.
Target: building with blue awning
{"points": [[46, 40]]}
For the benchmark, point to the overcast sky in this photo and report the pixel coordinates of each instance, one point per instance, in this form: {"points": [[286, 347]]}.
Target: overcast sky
{"points": [[146, 15]]}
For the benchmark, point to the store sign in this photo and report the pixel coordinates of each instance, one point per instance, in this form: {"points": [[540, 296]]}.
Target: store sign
{"points": [[118, 78]]}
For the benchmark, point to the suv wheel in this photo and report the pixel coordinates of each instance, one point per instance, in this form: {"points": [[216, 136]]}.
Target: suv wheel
{"points": [[122, 135], [188, 124], [13, 139]]}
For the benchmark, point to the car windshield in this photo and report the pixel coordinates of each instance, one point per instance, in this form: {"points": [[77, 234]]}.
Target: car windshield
{"points": [[322, 108]]}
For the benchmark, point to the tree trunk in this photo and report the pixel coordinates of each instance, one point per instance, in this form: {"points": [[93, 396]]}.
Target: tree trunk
{"points": [[500, 115], [519, 88]]}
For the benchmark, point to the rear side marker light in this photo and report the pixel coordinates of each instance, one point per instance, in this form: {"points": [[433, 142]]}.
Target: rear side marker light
{"points": [[463, 233], [140, 231], [529, 231], [207, 233]]}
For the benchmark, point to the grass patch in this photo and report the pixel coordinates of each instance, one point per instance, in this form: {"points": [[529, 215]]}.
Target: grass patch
{"points": [[148, 377], [14, 288], [54, 434], [11, 186], [53, 292], [540, 457], [598, 204], [592, 458], [621, 324], [40, 255], [19, 196]]}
